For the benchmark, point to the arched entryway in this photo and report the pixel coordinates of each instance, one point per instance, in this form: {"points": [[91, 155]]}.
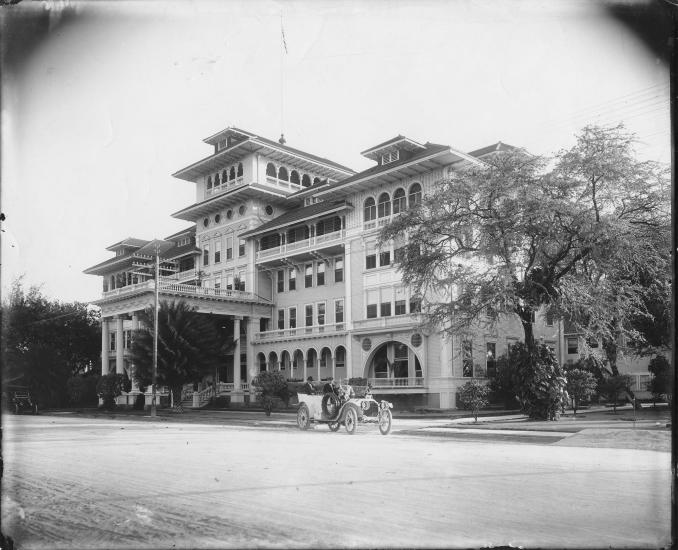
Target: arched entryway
{"points": [[393, 360]]}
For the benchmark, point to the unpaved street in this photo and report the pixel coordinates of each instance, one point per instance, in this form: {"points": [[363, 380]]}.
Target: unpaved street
{"points": [[96, 483]]}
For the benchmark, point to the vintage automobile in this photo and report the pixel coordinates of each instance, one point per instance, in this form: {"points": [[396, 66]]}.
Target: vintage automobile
{"points": [[21, 401], [335, 410]]}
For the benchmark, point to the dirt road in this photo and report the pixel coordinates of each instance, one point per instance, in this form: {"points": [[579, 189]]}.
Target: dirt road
{"points": [[94, 483]]}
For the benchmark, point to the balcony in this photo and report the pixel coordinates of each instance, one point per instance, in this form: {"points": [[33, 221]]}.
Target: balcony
{"points": [[275, 182], [223, 187], [172, 287], [388, 323], [314, 243], [299, 332]]}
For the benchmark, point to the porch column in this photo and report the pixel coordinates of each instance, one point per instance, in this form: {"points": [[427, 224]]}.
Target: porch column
{"points": [[250, 328], [347, 287], [135, 327], [105, 337], [305, 363], [119, 346], [236, 354], [330, 358]]}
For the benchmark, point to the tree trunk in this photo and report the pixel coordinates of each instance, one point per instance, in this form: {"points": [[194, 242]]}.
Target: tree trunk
{"points": [[610, 347], [528, 330]]}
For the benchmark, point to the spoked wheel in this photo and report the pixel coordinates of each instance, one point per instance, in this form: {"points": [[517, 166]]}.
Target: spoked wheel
{"points": [[334, 426], [303, 417], [351, 420], [385, 419]]}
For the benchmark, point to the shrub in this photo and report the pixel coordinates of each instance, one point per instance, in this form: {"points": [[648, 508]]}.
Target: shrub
{"points": [[473, 396], [661, 382], [82, 390], [580, 385], [614, 386], [271, 384], [502, 385], [110, 386]]}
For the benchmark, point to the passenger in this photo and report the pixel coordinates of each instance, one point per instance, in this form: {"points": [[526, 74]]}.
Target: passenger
{"points": [[308, 387], [330, 387]]}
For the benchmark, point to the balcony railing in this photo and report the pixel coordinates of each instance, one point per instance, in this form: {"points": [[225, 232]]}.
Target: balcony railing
{"points": [[176, 287], [381, 383], [388, 322], [223, 186], [298, 332], [306, 244]]}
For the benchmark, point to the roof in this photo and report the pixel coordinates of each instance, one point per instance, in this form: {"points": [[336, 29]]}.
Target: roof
{"points": [[191, 229], [298, 215], [167, 249], [182, 250], [132, 242], [494, 148], [404, 143]]}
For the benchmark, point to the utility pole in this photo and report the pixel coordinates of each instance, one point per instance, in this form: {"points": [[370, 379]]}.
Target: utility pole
{"points": [[155, 333]]}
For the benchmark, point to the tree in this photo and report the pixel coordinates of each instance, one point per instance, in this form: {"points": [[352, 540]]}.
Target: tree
{"points": [[45, 342], [515, 234], [270, 384], [614, 386], [190, 345], [109, 386], [474, 396], [661, 383], [580, 385]]}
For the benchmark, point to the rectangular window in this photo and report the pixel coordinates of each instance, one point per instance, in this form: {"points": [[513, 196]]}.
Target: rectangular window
{"points": [[339, 314], [385, 309], [549, 319], [400, 307], [385, 258], [371, 311], [371, 300], [241, 281], [320, 308], [241, 247], [415, 305], [308, 276], [491, 359], [370, 261], [128, 338], [281, 319], [229, 282], [292, 283], [338, 270], [386, 299], [229, 248], [281, 281], [217, 251], [467, 358], [206, 255], [309, 317], [111, 341], [320, 274], [572, 346], [292, 312]]}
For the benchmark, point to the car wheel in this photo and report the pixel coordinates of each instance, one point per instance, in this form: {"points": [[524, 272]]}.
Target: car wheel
{"points": [[334, 426], [351, 420], [303, 417], [385, 419]]}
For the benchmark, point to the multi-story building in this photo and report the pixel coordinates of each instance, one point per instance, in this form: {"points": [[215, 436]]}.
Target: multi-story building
{"points": [[283, 245]]}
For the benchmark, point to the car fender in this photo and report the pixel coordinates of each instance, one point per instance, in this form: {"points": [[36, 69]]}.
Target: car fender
{"points": [[346, 407]]}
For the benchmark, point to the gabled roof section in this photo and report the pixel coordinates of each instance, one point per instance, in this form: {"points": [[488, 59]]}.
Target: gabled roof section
{"points": [[299, 215], [494, 148], [187, 231], [246, 143], [129, 242], [398, 142], [167, 250]]}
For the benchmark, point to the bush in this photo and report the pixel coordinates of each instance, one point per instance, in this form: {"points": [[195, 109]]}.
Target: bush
{"points": [[110, 386], [271, 384], [661, 383], [580, 385], [615, 386], [82, 390], [502, 386], [474, 396]]}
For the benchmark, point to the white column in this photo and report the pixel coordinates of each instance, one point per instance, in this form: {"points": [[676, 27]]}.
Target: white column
{"points": [[236, 353], [347, 287], [251, 327], [119, 346], [331, 360], [303, 360], [135, 327], [104, 345]]}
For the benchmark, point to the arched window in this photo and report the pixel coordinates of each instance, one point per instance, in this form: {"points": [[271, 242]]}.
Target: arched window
{"points": [[399, 201], [273, 361], [415, 195], [384, 207], [282, 174], [216, 179], [370, 210], [262, 362], [298, 359], [209, 182], [340, 357], [270, 170], [231, 173], [325, 357], [306, 181], [294, 177], [285, 360], [224, 176], [240, 169], [316, 180], [312, 358]]}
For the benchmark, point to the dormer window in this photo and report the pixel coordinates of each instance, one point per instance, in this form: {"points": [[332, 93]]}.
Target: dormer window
{"points": [[387, 158], [120, 252]]}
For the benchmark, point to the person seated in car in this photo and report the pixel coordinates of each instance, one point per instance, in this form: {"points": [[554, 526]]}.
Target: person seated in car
{"points": [[308, 386], [330, 387]]}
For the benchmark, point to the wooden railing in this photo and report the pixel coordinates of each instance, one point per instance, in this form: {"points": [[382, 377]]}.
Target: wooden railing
{"points": [[299, 331], [381, 383], [305, 244]]}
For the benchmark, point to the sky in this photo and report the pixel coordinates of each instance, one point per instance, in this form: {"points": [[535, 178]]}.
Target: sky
{"points": [[112, 98]]}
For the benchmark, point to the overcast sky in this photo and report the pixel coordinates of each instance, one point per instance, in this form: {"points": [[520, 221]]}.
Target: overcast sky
{"points": [[111, 103]]}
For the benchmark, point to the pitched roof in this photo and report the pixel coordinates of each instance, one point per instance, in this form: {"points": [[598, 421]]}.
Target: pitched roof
{"points": [[298, 215], [494, 148], [190, 229], [132, 242]]}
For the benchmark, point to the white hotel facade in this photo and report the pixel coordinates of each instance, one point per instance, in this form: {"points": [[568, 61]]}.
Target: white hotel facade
{"points": [[283, 246]]}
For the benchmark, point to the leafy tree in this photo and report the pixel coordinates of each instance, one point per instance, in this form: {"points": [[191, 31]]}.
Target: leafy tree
{"points": [[615, 386], [474, 396], [82, 389], [190, 345], [271, 384], [45, 342], [661, 382], [580, 385], [109, 386], [593, 363]]}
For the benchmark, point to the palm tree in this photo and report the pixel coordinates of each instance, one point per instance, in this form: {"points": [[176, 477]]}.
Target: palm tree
{"points": [[189, 346]]}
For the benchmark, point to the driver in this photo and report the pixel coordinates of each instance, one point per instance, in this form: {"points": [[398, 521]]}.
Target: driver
{"points": [[330, 387], [308, 387]]}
